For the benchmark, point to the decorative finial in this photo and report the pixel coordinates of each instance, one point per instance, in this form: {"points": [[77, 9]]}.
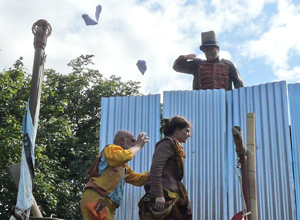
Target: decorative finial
{"points": [[41, 31]]}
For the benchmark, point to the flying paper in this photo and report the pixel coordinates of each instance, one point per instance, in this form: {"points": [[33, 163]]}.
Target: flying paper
{"points": [[141, 64], [97, 13], [88, 20]]}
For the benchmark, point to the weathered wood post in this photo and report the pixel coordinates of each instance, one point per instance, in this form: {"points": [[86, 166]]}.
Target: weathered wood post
{"points": [[241, 152]]}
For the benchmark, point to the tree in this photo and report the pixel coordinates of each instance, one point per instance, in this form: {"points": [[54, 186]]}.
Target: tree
{"points": [[14, 86], [68, 133]]}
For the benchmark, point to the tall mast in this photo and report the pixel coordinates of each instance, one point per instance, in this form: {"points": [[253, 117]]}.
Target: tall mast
{"points": [[41, 31], [25, 171]]}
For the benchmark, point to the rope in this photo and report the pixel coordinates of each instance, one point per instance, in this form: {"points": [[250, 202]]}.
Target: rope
{"points": [[239, 174]]}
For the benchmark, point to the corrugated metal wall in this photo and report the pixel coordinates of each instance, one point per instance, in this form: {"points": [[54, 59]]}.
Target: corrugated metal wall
{"points": [[294, 104], [135, 114], [275, 185], [205, 164], [210, 169]]}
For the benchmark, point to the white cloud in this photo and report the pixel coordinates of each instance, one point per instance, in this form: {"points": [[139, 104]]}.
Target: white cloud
{"points": [[276, 44], [153, 30], [291, 76], [225, 54]]}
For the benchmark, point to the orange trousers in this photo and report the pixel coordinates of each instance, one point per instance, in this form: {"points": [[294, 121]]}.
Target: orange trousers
{"points": [[88, 205]]}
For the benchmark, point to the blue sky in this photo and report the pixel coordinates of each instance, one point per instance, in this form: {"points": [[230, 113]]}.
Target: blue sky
{"points": [[261, 37]]}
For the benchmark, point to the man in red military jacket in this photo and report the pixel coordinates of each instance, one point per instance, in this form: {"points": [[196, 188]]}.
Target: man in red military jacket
{"points": [[212, 73]]}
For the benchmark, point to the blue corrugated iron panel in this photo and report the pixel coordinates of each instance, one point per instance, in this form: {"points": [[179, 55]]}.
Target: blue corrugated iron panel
{"points": [[294, 104], [136, 114], [205, 164], [210, 175], [275, 186]]}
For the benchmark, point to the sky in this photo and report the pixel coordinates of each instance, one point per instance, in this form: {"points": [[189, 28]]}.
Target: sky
{"points": [[261, 37]]}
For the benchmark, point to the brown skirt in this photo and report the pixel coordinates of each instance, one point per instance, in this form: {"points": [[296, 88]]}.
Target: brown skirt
{"points": [[175, 207]]}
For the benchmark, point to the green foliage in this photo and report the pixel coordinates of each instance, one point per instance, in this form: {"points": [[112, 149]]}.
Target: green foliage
{"points": [[68, 132], [13, 98]]}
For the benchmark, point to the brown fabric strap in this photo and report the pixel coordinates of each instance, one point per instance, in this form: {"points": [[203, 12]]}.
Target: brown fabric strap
{"points": [[95, 187], [179, 155], [94, 172]]}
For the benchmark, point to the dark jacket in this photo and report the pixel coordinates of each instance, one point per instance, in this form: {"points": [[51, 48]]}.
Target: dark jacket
{"points": [[191, 67], [164, 169]]}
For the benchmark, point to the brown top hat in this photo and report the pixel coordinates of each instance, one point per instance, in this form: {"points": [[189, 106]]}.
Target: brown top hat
{"points": [[209, 38]]}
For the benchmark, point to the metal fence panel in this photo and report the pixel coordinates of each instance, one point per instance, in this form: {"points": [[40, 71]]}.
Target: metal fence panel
{"points": [[210, 166], [294, 104], [275, 185], [205, 164], [135, 114]]}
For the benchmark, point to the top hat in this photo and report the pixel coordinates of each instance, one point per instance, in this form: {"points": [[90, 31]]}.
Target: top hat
{"points": [[209, 38]]}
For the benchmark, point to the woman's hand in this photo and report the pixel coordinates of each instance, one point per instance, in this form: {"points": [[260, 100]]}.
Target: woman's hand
{"points": [[160, 204]]}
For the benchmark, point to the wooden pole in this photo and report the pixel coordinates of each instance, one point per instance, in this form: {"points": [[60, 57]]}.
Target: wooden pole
{"points": [[41, 30], [242, 154], [251, 155]]}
